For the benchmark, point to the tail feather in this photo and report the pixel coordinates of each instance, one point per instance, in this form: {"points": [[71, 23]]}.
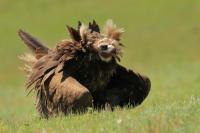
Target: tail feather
{"points": [[32, 42], [28, 60], [38, 49]]}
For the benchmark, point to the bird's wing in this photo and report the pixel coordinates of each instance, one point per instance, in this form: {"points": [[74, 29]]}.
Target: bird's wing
{"points": [[62, 95], [50, 63], [125, 86]]}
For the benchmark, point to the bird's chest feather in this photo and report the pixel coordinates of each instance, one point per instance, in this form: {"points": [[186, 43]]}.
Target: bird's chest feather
{"points": [[95, 76]]}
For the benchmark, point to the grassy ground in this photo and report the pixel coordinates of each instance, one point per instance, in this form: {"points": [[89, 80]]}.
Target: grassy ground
{"points": [[162, 40]]}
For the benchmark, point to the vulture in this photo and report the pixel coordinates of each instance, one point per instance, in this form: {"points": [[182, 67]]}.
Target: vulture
{"points": [[81, 72]]}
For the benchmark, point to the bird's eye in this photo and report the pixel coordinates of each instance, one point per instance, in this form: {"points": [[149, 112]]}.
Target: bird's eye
{"points": [[104, 47]]}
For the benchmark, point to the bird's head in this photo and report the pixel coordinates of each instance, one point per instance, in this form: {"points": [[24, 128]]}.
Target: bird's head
{"points": [[105, 46]]}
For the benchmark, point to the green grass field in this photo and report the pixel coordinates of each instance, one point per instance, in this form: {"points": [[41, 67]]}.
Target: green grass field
{"points": [[162, 40]]}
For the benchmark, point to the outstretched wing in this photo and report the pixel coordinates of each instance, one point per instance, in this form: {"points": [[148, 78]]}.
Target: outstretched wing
{"points": [[125, 87], [54, 61], [47, 61]]}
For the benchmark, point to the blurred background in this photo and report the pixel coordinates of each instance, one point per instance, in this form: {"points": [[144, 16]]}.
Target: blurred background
{"points": [[162, 40]]}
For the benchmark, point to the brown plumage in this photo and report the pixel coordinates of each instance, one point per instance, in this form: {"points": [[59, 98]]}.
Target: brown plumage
{"points": [[82, 72]]}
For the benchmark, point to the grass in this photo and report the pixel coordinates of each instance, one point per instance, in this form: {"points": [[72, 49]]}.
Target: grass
{"points": [[162, 41]]}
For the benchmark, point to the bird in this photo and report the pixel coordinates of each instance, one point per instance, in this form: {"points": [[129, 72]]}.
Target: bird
{"points": [[81, 72]]}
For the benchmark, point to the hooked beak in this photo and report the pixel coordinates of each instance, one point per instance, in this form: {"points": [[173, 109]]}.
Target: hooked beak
{"points": [[106, 52]]}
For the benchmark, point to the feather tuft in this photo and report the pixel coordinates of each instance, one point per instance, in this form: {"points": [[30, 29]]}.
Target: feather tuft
{"points": [[84, 31], [28, 60], [111, 30]]}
